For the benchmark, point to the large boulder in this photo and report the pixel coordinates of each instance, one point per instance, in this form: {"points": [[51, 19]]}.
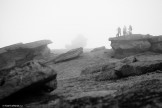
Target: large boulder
{"points": [[138, 68], [130, 45], [140, 94], [72, 54], [32, 76], [139, 46], [20, 53], [125, 46]]}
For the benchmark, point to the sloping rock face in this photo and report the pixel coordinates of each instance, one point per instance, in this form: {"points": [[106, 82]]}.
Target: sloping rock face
{"points": [[17, 54], [141, 94], [99, 49], [129, 66], [72, 54], [31, 75], [136, 43]]}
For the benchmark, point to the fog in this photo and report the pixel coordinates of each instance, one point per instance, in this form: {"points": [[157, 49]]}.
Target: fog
{"points": [[62, 20], [78, 41]]}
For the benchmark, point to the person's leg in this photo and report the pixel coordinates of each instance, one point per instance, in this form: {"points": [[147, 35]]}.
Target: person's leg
{"points": [[119, 33]]}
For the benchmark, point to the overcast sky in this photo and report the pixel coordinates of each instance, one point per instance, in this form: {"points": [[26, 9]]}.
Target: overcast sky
{"points": [[63, 20]]}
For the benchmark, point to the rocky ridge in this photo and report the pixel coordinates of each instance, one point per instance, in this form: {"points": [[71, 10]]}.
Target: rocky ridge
{"points": [[136, 43]]}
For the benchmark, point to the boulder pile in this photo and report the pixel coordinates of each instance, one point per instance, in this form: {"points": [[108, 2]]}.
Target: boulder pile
{"points": [[20, 69], [20, 53]]}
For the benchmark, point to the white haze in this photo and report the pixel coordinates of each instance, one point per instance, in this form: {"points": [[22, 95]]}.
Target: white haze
{"points": [[63, 20], [79, 41]]}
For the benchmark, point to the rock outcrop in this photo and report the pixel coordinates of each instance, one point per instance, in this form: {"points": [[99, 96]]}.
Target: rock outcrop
{"points": [[21, 69], [17, 54], [129, 66], [31, 74], [72, 54], [136, 43]]}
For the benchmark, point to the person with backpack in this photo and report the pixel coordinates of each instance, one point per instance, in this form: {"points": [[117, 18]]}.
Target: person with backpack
{"points": [[124, 31], [118, 32], [130, 29]]}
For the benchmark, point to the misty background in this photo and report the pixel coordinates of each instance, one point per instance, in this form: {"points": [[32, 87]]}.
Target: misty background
{"points": [[63, 21], [79, 41]]}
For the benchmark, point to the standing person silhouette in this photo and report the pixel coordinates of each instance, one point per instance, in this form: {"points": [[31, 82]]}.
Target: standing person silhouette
{"points": [[118, 32], [130, 29], [124, 31]]}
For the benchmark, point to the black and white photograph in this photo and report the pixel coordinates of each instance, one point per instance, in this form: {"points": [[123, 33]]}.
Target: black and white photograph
{"points": [[80, 53]]}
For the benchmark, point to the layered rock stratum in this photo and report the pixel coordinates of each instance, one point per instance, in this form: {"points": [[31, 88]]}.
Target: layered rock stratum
{"points": [[22, 70], [136, 43], [20, 53]]}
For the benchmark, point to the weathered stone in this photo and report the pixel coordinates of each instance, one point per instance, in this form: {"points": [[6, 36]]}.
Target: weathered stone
{"points": [[31, 75], [138, 92], [156, 39], [98, 49], [128, 60], [138, 46], [72, 54], [94, 94], [97, 68], [138, 68], [125, 46], [157, 47], [156, 44], [106, 75], [37, 44], [17, 54], [129, 66]]}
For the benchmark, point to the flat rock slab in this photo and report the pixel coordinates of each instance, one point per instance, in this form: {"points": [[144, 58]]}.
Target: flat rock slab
{"points": [[20, 53], [72, 54], [138, 68], [131, 37], [125, 46], [94, 94]]}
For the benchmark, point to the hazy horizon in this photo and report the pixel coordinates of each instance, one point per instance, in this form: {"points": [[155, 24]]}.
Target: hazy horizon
{"points": [[62, 21]]}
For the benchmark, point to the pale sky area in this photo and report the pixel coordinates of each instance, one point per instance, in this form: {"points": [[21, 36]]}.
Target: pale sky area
{"points": [[62, 20]]}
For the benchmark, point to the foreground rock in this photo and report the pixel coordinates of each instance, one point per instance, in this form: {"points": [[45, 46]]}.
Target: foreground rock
{"points": [[129, 66], [17, 54], [143, 91], [72, 54], [144, 94], [125, 46], [138, 68], [22, 70], [30, 76]]}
